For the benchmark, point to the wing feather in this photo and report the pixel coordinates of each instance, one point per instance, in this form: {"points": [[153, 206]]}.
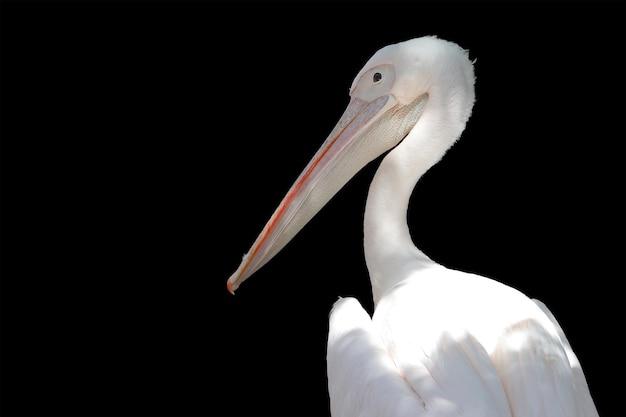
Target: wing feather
{"points": [[535, 371], [455, 378], [583, 399], [362, 378], [467, 378]]}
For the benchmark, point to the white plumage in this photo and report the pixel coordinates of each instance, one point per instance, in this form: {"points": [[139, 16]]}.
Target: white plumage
{"points": [[441, 342]]}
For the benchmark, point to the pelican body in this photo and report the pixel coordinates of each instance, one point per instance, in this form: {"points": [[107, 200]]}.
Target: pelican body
{"points": [[441, 342]]}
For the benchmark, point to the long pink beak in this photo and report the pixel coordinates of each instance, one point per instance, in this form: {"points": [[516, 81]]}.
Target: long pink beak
{"points": [[357, 139]]}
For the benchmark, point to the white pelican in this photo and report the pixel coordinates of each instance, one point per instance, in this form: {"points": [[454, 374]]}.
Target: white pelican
{"points": [[441, 342]]}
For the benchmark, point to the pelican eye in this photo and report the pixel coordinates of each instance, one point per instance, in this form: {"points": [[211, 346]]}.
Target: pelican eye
{"points": [[377, 77]]}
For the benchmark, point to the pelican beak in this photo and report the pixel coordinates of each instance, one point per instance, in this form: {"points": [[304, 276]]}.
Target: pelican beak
{"points": [[366, 130]]}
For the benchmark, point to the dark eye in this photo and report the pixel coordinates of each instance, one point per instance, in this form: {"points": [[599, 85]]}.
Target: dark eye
{"points": [[377, 77]]}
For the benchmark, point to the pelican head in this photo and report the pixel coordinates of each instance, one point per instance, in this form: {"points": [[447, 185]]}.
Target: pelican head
{"points": [[387, 99]]}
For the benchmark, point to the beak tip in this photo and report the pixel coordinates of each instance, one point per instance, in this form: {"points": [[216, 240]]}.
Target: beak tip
{"points": [[229, 286]]}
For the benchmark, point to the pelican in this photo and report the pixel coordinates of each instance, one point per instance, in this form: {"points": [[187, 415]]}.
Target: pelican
{"points": [[441, 342]]}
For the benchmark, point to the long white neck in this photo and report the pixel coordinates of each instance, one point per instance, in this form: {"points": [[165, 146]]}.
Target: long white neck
{"points": [[390, 253]]}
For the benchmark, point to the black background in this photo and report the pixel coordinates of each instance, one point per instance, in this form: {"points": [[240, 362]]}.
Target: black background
{"points": [[145, 144]]}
